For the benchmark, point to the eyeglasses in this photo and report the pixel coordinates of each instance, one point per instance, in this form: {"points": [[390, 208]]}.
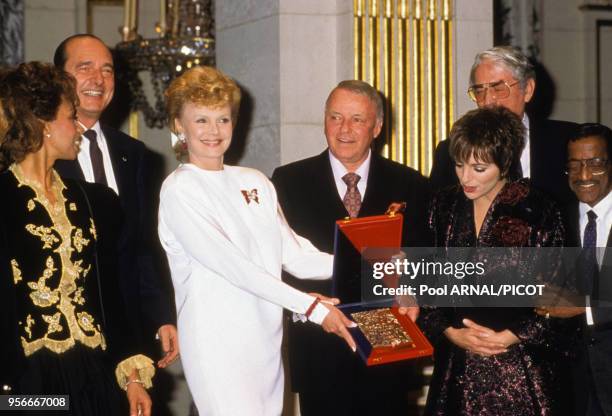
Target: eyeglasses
{"points": [[596, 165], [497, 90]]}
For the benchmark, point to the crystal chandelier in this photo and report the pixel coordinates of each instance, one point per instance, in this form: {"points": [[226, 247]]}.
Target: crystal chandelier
{"points": [[186, 39]]}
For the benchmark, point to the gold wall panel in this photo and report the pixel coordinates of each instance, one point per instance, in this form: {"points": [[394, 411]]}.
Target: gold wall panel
{"points": [[404, 49]]}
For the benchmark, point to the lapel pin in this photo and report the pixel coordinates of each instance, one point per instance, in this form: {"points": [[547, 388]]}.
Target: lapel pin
{"points": [[124, 158]]}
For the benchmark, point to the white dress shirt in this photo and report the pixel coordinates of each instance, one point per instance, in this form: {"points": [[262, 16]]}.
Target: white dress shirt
{"points": [[526, 155], [603, 210], [85, 160], [339, 171]]}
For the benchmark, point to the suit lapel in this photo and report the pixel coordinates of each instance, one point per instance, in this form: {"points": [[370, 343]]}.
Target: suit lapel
{"points": [[536, 153], [605, 284], [324, 187], [119, 159], [574, 239], [376, 195]]}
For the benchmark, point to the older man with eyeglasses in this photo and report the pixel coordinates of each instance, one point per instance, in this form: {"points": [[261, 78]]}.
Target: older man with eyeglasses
{"points": [[503, 76]]}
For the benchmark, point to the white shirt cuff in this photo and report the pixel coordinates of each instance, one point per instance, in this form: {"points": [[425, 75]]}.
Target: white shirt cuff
{"points": [[317, 315]]}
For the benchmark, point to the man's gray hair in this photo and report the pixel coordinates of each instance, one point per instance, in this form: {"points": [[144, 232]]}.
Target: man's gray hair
{"points": [[510, 58], [361, 88]]}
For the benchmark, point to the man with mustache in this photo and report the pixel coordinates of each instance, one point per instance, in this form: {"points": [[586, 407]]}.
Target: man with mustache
{"points": [[589, 175], [112, 158]]}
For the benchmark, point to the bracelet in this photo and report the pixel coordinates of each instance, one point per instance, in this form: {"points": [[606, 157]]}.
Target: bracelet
{"points": [[133, 381], [312, 306]]}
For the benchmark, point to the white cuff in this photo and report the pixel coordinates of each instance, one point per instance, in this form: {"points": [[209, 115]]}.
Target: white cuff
{"points": [[318, 314]]}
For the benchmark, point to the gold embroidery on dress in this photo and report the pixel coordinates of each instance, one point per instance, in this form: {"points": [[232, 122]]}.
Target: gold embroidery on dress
{"points": [[41, 294], [86, 321], [45, 234], [79, 241], [31, 205], [53, 321], [77, 269], [70, 269], [92, 229], [72, 206], [29, 323], [16, 272], [78, 296]]}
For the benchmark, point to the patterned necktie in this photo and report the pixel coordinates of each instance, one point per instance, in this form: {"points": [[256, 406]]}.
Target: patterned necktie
{"points": [[352, 197], [589, 244], [95, 154]]}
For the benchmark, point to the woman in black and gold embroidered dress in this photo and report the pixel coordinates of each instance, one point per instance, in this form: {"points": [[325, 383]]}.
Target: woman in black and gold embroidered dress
{"points": [[492, 361], [61, 319]]}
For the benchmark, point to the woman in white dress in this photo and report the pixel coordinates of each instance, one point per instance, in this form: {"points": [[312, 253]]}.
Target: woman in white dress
{"points": [[227, 243]]}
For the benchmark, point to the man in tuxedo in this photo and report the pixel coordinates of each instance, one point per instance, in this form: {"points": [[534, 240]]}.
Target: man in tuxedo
{"points": [[112, 158], [347, 180], [590, 178], [503, 76]]}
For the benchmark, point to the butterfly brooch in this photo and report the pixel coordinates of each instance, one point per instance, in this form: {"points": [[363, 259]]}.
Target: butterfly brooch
{"points": [[250, 195]]}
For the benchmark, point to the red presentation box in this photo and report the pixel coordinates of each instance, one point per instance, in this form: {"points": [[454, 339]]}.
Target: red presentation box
{"points": [[352, 237], [419, 347]]}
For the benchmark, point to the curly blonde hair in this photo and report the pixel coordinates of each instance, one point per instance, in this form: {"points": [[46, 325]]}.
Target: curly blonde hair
{"points": [[202, 85]]}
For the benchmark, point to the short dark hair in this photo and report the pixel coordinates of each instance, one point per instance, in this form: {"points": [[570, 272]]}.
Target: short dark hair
{"points": [[594, 130], [491, 135], [59, 57], [30, 95]]}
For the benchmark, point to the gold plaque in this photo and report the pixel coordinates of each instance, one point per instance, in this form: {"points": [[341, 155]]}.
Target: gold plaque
{"points": [[382, 329]]}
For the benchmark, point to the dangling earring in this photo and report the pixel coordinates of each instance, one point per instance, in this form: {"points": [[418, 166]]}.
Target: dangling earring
{"points": [[181, 138]]}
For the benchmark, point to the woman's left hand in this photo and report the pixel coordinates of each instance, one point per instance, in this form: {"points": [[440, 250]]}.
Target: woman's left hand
{"points": [[140, 402], [505, 337]]}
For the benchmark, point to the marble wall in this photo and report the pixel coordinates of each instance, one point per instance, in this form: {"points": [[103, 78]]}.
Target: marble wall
{"points": [[287, 55], [562, 37], [473, 33], [569, 54]]}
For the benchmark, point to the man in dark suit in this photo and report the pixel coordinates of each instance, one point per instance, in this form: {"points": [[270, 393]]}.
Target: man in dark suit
{"points": [[590, 178], [347, 179], [112, 158], [503, 76]]}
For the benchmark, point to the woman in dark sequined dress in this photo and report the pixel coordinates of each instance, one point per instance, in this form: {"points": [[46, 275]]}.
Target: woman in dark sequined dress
{"points": [[491, 361]]}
